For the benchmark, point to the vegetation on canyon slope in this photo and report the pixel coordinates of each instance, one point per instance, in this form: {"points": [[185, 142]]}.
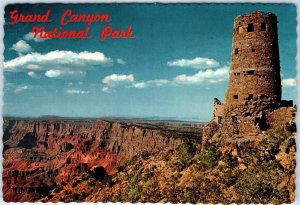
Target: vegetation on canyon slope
{"points": [[261, 171]]}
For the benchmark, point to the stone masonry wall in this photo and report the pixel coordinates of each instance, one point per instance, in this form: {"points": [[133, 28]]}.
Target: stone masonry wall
{"points": [[253, 99], [255, 69]]}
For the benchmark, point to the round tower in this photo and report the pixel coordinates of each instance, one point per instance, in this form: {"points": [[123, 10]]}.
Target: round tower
{"points": [[255, 67]]}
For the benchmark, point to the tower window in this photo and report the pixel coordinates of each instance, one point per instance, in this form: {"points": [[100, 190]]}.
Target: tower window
{"points": [[253, 49], [263, 27], [219, 119], [247, 114], [250, 72], [250, 97], [235, 97], [236, 51], [250, 27]]}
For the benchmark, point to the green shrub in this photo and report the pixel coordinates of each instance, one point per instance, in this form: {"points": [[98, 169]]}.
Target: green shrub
{"points": [[134, 194], [134, 180], [278, 134], [290, 145], [175, 176], [249, 153], [259, 184], [271, 144], [148, 173], [210, 192], [131, 161], [191, 195], [229, 176], [208, 158], [186, 153], [145, 155], [150, 191], [230, 160]]}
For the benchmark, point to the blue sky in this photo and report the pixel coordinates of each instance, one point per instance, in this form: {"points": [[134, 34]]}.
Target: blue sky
{"points": [[174, 67]]}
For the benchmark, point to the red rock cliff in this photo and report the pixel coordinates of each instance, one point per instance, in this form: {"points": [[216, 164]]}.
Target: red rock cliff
{"points": [[39, 154]]}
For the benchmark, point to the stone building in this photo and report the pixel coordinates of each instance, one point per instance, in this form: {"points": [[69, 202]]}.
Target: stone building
{"points": [[255, 69], [254, 89]]}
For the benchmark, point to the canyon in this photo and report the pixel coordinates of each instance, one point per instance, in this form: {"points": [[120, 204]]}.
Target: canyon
{"points": [[41, 154], [137, 160]]}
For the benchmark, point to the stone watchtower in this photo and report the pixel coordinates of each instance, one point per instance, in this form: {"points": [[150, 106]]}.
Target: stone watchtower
{"points": [[253, 98], [255, 68]]}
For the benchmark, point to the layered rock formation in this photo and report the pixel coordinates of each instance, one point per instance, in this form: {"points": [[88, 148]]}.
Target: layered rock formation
{"points": [[41, 154]]}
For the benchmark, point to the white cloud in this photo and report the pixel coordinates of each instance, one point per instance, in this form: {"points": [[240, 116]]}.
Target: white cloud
{"points": [[9, 85], [158, 82], [140, 85], [210, 76], [150, 83], [53, 73], [32, 74], [33, 67], [21, 88], [105, 89], [65, 74], [29, 36], [128, 81], [198, 63], [121, 61], [73, 83], [115, 79], [289, 82], [15, 88], [21, 47], [81, 92], [59, 60]]}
